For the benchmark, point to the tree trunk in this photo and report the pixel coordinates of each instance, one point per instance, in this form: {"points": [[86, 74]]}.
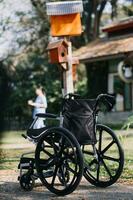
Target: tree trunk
{"points": [[98, 10], [4, 92], [88, 30]]}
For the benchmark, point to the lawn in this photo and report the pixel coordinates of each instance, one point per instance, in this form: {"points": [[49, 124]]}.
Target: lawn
{"points": [[12, 145], [127, 143]]}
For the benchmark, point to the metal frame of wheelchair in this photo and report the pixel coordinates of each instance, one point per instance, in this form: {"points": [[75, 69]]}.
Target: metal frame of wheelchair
{"points": [[60, 161]]}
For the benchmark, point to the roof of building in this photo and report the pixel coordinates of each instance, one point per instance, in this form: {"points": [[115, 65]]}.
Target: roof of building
{"points": [[104, 49], [109, 47], [119, 25]]}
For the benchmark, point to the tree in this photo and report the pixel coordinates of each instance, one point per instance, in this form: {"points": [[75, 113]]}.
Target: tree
{"points": [[24, 58], [24, 35], [128, 9], [18, 31]]}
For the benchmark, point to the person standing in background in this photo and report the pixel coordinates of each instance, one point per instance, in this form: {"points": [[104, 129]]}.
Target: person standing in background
{"points": [[40, 106]]}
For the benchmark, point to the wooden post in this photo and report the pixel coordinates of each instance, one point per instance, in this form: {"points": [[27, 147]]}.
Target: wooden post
{"points": [[65, 22], [67, 74]]}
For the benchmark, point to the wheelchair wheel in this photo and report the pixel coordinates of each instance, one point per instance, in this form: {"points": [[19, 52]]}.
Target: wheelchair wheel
{"points": [[59, 161], [104, 169], [26, 182]]}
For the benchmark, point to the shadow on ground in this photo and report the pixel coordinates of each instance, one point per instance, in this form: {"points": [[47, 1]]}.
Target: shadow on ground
{"points": [[11, 190]]}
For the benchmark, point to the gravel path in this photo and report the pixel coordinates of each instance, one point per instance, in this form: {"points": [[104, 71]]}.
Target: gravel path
{"points": [[10, 190]]}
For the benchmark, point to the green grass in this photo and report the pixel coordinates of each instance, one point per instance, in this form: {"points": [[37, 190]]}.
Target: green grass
{"points": [[10, 154], [127, 142], [11, 137], [11, 149]]}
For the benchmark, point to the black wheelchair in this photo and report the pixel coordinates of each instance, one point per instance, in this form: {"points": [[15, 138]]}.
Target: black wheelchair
{"points": [[77, 147]]}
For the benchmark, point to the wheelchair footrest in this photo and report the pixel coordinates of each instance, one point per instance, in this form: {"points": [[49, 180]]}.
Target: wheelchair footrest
{"points": [[25, 163]]}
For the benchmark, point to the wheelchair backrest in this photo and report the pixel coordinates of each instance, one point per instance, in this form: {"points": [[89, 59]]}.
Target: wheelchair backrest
{"points": [[79, 118]]}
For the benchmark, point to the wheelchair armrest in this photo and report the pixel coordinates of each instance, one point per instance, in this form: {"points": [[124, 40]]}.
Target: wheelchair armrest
{"points": [[46, 115]]}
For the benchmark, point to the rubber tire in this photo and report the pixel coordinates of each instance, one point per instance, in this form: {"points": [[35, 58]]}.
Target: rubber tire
{"points": [[73, 140], [24, 178], [121, 164]]}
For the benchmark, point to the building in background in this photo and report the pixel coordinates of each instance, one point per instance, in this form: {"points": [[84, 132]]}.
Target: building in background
{"points": [[112, 51]]}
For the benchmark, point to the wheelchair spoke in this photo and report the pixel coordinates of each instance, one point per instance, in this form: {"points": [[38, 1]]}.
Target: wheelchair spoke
{"points": [[88, 152], [71, 170], [107, 169], [70, 155], [47, 152], [54, 176], [63, 177], [110, 158], [70, 158], [100, 140], [53, 145], [50, 162], [62, 147], [98, 172], [92, 162], [107, 147]]}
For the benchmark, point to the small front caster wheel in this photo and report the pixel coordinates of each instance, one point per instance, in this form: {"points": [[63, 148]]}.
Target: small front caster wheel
{"points": [[26, 182]]}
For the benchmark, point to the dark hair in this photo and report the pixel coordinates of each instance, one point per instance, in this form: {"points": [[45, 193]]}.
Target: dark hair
{"points": [[39, 86]]}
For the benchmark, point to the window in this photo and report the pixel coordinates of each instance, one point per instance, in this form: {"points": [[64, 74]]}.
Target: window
{"points": [[123, 92]]}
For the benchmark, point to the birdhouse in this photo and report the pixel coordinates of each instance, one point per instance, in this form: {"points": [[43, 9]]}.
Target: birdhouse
{"points": [[58, 51], [65, 17]]}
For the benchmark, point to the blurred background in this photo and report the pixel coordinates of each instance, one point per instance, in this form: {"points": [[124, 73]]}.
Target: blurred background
{"points": [[105, 44], [24, 36]]}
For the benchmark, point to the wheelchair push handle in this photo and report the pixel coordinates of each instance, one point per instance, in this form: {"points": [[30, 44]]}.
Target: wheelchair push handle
{"points": [[72, 96], [107, 99]]}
